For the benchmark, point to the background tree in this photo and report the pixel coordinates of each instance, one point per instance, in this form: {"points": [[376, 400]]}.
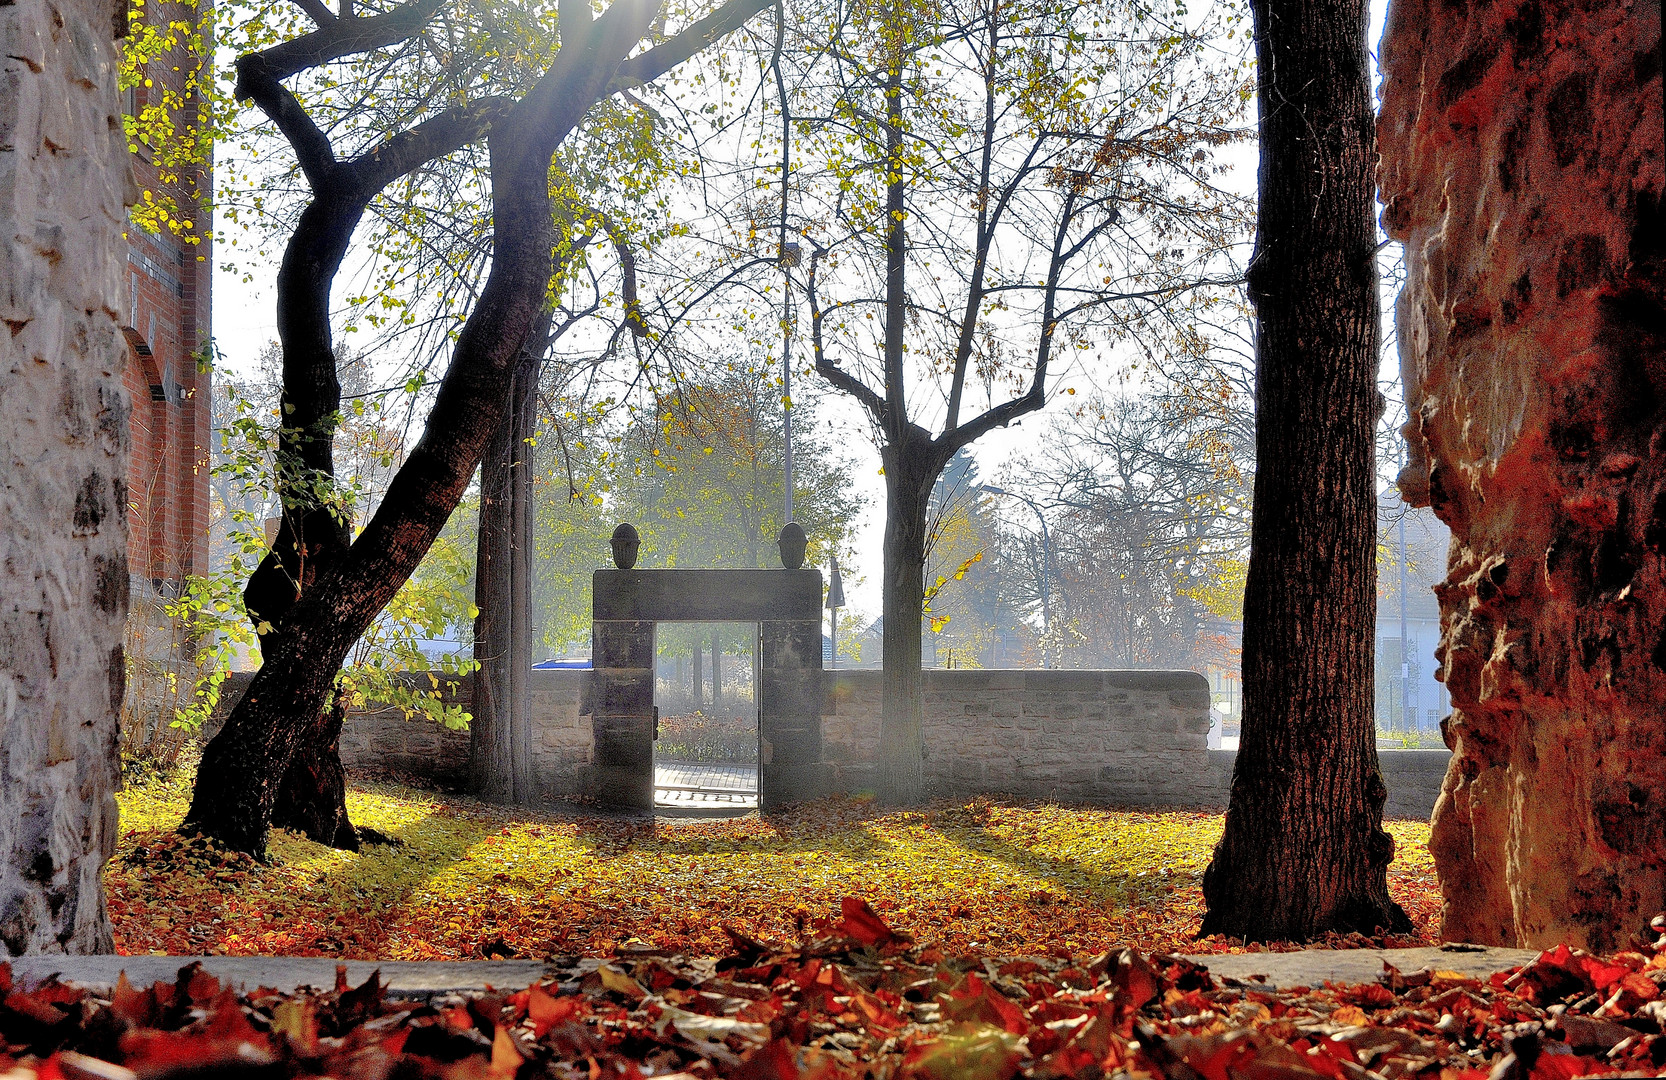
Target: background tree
{"points": [[1148, 502], [699, 472], [1304, 851], [994, 187], [338, 596]]}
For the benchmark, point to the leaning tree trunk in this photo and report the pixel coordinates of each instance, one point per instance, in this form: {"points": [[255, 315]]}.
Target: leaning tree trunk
{"points": [[1522, 169], [312, 540], [238, 780], [1304, 851], [500, 728]]}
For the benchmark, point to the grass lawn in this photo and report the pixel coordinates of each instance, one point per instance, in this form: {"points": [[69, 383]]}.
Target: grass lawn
{"points": [[470, 880]]}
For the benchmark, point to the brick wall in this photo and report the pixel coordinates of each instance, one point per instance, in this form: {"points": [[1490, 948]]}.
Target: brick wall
{"points": [[166, 323]]}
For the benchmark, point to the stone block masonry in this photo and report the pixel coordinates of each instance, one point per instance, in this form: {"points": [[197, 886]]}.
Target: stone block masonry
{"points": [[1098, 738], [1125, 738], [63, 466]]}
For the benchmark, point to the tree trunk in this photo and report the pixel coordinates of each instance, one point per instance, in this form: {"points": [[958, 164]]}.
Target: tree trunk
{"points": [[1528, 193], [500, 728], [312, 799], [312, 540], [64, 443], [242, 766], [1304, 851], [910, 472], [699, 678], [717, 674]]}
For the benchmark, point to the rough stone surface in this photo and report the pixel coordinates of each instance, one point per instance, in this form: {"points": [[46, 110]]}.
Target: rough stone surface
{"points": [[63, 466], [563, 744], [1522, 169]]}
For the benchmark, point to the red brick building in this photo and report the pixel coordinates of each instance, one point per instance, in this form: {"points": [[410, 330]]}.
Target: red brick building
{"points": [[168, 324]]}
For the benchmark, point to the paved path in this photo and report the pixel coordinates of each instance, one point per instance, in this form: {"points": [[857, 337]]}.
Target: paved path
{"points": [[688, 785], [1310, 967]]}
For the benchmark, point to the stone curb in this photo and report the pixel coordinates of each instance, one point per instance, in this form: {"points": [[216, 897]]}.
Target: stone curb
{"points": [[1309, 967]]}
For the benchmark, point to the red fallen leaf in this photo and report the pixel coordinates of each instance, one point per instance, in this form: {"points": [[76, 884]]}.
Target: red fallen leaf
{"points": [[873, 1012], [1568, 1066], [775, 1060], [506, 1057], [135, 1007], [1327, 1057], [198, 985], [863, 924], [1371, 994], [151, 1052], [976, 1000], [545, 1010], [1213, 1057], [1133, 976], [5, 979], [1602, 975], [37, 1006]]}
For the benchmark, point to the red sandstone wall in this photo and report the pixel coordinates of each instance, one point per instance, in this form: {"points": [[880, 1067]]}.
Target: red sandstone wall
{"points": [[1522, 168]]}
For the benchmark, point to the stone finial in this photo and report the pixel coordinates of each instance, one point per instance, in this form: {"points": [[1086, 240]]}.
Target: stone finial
{"points": [[626, 543], [793, 542]]}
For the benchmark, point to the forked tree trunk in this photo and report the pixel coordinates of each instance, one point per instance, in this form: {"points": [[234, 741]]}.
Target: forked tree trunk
{"points": [[1304, 851], [500, 728], [312, 799]]}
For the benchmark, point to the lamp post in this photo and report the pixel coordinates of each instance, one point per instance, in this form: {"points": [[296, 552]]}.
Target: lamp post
{"points": [[1046, 561], [789, 257], [835, 601]]}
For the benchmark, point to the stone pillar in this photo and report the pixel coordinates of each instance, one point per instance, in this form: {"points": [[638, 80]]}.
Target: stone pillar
{"points": [[790, 692], [622, 656], [63, 465], [1521, 168]]}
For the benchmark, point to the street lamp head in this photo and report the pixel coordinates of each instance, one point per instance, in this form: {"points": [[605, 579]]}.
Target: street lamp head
{"points": [[835, 588]]}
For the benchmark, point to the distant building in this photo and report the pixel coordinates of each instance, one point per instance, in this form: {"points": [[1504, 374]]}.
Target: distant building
{"points": [[1408, 699]]}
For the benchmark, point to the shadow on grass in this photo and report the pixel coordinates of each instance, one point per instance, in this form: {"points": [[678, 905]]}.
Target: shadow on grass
{"points": [[1137, 887]]}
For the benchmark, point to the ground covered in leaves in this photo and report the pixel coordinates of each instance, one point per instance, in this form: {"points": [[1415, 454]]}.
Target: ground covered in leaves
{"points": [[853, 998], [469, 880]]}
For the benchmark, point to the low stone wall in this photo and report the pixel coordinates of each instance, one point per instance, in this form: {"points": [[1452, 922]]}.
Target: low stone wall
{"points": [[1129, 738], [384, 738], [1413, 779], [1110, 738]]}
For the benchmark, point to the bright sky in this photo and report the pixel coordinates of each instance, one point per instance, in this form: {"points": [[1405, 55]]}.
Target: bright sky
{"points": [[244, 322]]}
